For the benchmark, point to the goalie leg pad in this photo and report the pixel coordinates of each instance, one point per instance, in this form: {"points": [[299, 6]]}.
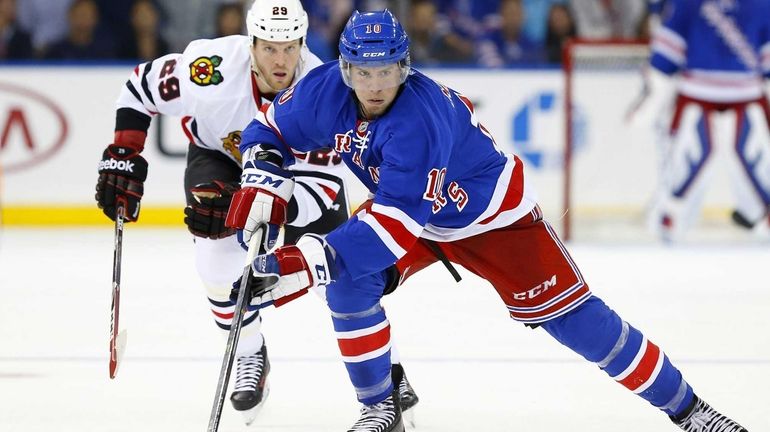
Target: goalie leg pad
{"points": [[750, 168], [596, 332], [685, 171]]}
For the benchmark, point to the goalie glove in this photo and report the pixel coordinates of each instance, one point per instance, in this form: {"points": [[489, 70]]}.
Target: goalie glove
{"points": [[263, 199], [288, 273]]}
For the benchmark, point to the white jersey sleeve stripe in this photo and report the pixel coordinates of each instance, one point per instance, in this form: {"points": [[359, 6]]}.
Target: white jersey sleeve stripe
{"points": [[268, 119], [394, 213], [132, 99], [383, 234], [670, 45]]}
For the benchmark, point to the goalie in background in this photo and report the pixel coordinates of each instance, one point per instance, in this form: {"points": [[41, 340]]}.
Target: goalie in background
{"points": [[219, 85], [705, 82]]}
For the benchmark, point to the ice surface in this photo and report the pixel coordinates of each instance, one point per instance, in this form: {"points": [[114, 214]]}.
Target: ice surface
{"points": [[473, 368]]}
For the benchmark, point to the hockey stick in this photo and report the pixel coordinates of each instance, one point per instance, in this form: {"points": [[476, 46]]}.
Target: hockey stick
{"points": [[117, 339], [235, 330]]}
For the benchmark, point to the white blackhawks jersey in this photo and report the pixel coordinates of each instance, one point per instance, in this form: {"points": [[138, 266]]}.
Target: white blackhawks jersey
{"points": [[212, 87]]}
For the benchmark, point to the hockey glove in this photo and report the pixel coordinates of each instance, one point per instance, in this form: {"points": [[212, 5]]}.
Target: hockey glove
{"points": [[263, 199], [206, 216], [288, 273], [122, 172]]}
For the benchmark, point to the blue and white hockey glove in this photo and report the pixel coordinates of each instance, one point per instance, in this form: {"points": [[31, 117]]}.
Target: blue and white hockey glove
{"points": [[264, 196], [289, 272]]}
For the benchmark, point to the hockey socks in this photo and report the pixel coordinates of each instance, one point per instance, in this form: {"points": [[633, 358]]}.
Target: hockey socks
{"points": [[364, 341], [596, 332]]}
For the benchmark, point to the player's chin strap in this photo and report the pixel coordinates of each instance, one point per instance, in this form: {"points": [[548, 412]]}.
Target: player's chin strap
{"points": [[444, 260]]}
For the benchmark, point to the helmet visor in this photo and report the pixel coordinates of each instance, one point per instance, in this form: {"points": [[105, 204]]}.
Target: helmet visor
{"points": [[374, 77]]}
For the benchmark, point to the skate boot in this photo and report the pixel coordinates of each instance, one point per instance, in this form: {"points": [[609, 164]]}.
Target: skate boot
{"points": [[407, 397], [251, 385], [384, 416], [700, 417]]}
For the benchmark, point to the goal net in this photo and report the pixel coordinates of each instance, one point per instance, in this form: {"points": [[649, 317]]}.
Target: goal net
{"points": [[611, 169]]}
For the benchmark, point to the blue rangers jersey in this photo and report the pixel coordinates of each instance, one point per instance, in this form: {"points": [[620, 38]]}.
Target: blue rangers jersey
{"points": [[433, 170], [721, 47]]}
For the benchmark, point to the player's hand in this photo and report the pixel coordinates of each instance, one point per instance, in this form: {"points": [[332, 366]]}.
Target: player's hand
{"points": [[287, 274], [206, 216], [263, 199], [122, 172]]}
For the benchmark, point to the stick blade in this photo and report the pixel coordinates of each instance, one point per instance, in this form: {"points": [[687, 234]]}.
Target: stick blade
{"points": [[116, 353]]}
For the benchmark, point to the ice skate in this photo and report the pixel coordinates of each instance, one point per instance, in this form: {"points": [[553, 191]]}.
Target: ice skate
{"points": [[700, 417], [407, 399], [251, 385], [384, 416]]}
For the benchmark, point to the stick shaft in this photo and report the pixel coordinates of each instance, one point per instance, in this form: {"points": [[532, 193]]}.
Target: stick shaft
{"points": [[235, 331], [115, 309]]}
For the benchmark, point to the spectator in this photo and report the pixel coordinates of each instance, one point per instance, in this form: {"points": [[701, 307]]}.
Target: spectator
{"points": [[327, 18], [538, 12], [187, 21], [470, 19], [230, 19], [432, 41], [145, 42], [45, 20], [605, 19], [560, 28], [508, 44], [15, 43], [82, 43], [114, 19]]}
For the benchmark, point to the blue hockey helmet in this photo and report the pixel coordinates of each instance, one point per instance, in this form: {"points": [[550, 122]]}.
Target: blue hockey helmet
{"points": [[374, 39]]}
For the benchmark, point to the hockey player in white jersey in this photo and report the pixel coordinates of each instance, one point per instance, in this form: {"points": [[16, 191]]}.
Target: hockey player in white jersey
{"points": [[218, 86], [709, 58]]}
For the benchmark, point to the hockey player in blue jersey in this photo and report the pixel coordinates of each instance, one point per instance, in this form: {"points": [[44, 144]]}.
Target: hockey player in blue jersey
{"points": [[713, 54], [441, 190]]}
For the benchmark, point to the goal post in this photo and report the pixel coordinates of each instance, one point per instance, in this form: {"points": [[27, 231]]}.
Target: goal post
{"points": [[609, 170]]}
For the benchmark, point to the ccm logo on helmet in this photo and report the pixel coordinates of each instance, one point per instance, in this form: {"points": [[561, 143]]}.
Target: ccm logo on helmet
{"points": [[375, 54], [113, 164]]}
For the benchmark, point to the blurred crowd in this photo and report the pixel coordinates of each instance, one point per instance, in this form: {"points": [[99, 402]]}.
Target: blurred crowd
{"points": [[488, 33]]}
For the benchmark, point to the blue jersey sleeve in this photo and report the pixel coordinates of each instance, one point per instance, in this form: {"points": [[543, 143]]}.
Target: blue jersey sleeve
{"points": [[669, 43], [285, 125], [410, 175], [764, 49]]}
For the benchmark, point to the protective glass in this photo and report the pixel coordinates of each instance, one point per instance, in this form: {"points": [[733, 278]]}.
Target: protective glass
{"points": [[374, 77]]}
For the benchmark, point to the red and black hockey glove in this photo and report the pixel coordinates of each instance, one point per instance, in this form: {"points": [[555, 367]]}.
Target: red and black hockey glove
{"points": [[206, 216], [122, 172]]}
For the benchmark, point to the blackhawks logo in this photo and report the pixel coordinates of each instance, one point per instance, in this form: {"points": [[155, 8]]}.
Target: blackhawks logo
{"points": [[203, 71], [231, 143]]}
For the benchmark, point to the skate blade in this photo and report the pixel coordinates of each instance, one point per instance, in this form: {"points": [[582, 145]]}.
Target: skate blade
{"points": [[408, 417], [250, 415]]}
